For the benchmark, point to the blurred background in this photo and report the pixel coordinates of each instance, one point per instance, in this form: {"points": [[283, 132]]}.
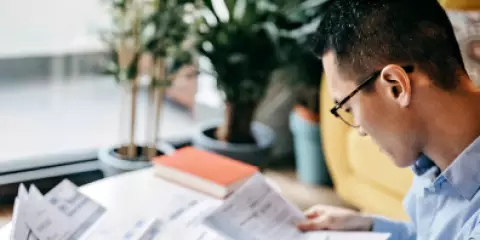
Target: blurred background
{"points": [[59, 110]]}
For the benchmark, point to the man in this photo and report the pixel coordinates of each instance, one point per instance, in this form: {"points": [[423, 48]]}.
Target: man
{"points": [[396, 67]]}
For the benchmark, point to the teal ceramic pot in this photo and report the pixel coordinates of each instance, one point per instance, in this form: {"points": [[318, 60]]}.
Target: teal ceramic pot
{"points": [[310, 161]]}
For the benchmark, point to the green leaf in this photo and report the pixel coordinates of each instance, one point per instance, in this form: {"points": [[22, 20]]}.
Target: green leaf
{"points": [[273, 33], [251, 15], [210, 11], [230, 4], [312, 4], [239, 10], [221, 10]]}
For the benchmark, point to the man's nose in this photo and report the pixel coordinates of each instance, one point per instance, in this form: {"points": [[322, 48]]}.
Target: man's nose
{"points": [[361, 132]]}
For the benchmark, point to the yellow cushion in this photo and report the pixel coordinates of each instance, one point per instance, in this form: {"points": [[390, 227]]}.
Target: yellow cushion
{"points": [[369, 163], [334, 138], [461, 4]]}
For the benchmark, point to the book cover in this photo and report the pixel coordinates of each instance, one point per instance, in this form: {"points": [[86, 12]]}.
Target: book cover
{"points": [[204, 171]]}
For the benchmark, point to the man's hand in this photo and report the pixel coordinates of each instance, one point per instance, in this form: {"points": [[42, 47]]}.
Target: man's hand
{"points": [[322, 217]]}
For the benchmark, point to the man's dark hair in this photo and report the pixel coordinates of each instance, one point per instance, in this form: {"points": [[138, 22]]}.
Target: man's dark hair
{"points": [[367, 35]]}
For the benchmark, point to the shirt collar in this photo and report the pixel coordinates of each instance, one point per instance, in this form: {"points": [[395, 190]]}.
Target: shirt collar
{"points": [[422, 165], [464, 172]]}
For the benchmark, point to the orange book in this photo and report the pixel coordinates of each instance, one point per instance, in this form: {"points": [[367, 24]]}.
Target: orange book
{"points": [[204, 171]]}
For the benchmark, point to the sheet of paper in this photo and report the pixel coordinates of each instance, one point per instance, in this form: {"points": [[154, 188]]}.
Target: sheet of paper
{"points": [[20, 228], [155, 227], [179, 210], [120, 229], [45, 221], [330, 235], [81, 211], [257, 211], [62, 214], [144, 230], [190, 225]]}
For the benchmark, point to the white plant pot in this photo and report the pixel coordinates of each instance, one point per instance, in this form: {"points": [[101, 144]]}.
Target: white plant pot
{"points": [[113, 164]]}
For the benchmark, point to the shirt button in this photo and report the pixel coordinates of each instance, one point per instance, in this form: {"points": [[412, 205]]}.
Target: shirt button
{"points": [[430, 189]]}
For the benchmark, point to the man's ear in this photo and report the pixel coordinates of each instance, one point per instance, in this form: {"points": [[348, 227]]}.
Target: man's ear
{"points": [[396, 84]]}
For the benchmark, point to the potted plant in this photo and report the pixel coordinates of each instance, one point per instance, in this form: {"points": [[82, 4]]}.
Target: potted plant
{"points": [[244, 44], [145, 39]]}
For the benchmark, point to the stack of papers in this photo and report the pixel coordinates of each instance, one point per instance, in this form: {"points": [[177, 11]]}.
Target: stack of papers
{"points": [[63, 213], [255, 211], [66, 214]]}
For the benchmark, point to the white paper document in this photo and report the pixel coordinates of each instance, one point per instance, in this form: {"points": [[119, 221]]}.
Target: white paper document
{"points": [[81, 211], [177, 215], [130, 229], [144, 230], [62, 214], [257, 212], [20, 229], [45, 221], [189, 225]]}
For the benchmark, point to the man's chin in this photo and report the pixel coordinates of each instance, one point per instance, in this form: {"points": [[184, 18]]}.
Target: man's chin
{"points": [[399, 162], [402, 164]]}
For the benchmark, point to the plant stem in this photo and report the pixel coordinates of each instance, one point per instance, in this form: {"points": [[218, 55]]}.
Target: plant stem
{"points": [[132, 148], [236, 127], [158, 95]]}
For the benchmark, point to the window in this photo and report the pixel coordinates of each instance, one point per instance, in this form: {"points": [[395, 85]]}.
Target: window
{"points": [[53, 101]]}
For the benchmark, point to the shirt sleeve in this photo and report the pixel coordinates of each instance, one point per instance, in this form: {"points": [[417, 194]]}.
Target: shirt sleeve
{"points": [[399, 230]]}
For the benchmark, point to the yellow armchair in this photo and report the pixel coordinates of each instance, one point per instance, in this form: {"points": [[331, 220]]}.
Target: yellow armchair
{"points": [[363, 176], [461, 4]]}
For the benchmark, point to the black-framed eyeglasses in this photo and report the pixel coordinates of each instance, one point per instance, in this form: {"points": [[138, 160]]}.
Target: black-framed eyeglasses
{"points": [[344, 115]]}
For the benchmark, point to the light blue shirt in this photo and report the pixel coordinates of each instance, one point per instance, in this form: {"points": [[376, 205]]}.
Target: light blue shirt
{"points": [[441, 207]]}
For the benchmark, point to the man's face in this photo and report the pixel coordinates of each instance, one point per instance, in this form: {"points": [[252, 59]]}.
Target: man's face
{"points": [[383, 114]]}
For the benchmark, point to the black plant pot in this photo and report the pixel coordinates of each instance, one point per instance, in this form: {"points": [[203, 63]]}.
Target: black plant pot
{"points": [[256, 154]]}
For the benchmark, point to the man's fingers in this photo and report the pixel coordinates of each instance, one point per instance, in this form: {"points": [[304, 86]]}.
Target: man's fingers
{"points": [[313, 213], [307, 226], [323, 222]]}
